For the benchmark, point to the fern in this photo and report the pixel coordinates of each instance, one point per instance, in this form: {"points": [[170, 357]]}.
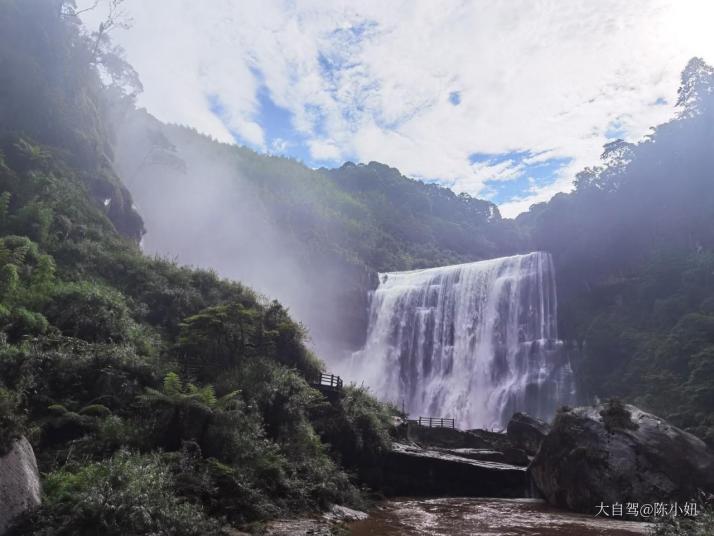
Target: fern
{"points": [[172, 384], [174, 392], [228, 400], [208, 396], [34, 153]]}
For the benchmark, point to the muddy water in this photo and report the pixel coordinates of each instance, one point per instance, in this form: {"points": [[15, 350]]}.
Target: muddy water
{"points": [[485, 517]]}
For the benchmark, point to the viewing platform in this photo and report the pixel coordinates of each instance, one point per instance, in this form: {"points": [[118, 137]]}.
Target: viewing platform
{"points": [[435, 422], [328, 383]]}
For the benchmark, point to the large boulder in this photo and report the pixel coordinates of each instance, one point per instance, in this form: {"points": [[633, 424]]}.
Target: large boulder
{"points": [[615, 453], [19, 483], [527, 432]]}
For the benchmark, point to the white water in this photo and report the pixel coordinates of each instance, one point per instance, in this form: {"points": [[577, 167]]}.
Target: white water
{"points": [[475, 342]]}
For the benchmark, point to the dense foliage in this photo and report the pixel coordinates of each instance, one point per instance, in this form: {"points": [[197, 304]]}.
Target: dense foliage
{"points": [[313, 238], [154, 392], [159, 399], [633, 244], [52, 92], [368, 215], [634, 251], [122, 496], [700, 525]]}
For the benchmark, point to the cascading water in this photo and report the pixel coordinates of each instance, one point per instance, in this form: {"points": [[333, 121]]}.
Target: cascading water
{"points": [[474, 341]]}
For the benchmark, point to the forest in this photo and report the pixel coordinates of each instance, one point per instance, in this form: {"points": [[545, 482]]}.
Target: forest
{"points": [[162, 398], [159, 399], [634, 252], [632, 244]]}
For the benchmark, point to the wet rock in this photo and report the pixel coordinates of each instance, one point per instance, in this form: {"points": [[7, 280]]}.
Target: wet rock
{"points": [[475, 444], [19, 483], [516, 456], [327, 525], [343, 514], [444, 437], [492, 440], [506, 455], [617, 453], [298, 527], [230, 531], [485, 455], [412, 470], [527, 432]]}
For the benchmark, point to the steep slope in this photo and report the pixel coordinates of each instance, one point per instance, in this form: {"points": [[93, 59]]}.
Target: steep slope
{"points": [[51, 91], [158, 399]]}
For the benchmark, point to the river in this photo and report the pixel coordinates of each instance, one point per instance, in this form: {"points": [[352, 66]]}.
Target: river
{"points": [[486, 517]]}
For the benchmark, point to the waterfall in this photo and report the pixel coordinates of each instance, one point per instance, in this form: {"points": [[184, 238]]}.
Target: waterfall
{"points": [[474, 341]]}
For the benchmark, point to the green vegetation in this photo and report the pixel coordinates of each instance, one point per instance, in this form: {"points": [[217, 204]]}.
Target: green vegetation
{"points": [[700, 525], [634, 252], [98, 341], [365, 216], [616, 416], [123, 495], [165, 400], [159, 399], [633, 245]]}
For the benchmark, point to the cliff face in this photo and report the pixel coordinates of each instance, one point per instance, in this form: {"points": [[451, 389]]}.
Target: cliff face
{"points": [[19, 483], [52, 93]]}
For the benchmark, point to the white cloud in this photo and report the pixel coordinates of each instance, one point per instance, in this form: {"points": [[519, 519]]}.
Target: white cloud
{"points": [[279, 146], [548, 76], [324, 150], [537, 194], [501, 171]]}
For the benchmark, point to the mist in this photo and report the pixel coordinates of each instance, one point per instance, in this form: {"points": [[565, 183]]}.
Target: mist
{"points": [[464, 357], [202, 209]]}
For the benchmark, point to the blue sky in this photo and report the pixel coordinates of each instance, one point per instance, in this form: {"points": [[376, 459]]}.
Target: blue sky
{"points": [[529, 171], [503, 100], [282, 139]]}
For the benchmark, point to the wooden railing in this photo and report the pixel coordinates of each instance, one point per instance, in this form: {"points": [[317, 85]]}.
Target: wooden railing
{"points": [[436, 422], [329, 382]]}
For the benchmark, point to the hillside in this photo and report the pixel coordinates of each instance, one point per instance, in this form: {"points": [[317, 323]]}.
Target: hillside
{"points": [[158, 399], [167, 301], [632, 244], [312, 238], [634, 251]]}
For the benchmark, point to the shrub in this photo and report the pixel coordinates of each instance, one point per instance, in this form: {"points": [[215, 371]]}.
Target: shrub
{"points": [[701, 525], [227, 335], [357, 429], [616, 416], [74, 374], [11, 420], [126, 495], [91, 312], [96, 410], [24, 322]]}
